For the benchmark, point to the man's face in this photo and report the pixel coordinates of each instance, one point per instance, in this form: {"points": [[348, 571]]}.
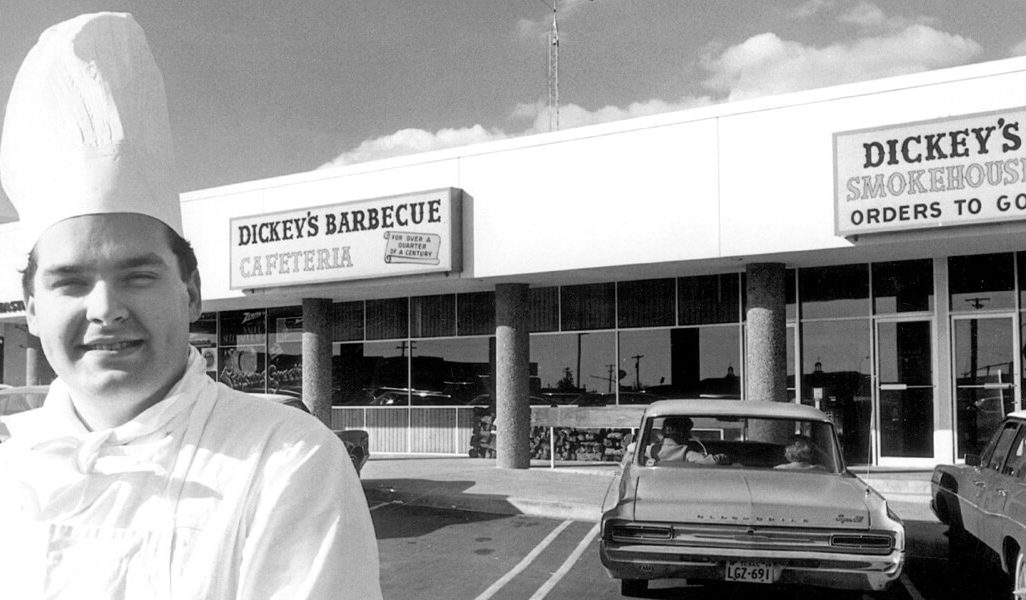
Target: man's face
{"points": [[110, 307]]}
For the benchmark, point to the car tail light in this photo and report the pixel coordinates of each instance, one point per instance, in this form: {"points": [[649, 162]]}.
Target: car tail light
{"points": [[640, 533], [867, 542]]}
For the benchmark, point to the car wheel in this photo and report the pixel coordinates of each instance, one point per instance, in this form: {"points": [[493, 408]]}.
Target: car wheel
{"points": [[1019, 578], [633, 588]]}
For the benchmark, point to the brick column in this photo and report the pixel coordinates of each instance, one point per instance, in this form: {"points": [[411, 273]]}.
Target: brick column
{"points": [[317, 357], [512, 377]]}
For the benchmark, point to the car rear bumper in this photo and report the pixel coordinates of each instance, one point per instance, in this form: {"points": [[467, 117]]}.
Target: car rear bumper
{"points": [[822, 569]]}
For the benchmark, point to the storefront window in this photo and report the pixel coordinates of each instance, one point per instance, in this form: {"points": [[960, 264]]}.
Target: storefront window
{"points": [[347, 322], [447, 372], [588, 306], [648, 303], [242, 356], [836, 368], [708, 299], [203, 336], [544, 309], [841, 291], [433, 316], [905, 286], [983, 281], [475, 313], [645, 371], [285, 354], [387, 318], [374, 373], [570, 364], [1021, 262]]}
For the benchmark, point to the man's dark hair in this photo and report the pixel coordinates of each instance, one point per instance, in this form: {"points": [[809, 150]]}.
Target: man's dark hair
{"points": [[180, 247]]}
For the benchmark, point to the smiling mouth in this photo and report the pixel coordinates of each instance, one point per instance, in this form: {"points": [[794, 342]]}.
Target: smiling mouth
{"points": [[114, 347]]}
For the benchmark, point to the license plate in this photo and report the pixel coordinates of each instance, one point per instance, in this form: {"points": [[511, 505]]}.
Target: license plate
{"points": [[749, 571]]}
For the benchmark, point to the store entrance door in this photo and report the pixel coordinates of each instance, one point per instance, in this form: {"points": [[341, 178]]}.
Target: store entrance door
{"points": [[904, 399], [985, 368]]}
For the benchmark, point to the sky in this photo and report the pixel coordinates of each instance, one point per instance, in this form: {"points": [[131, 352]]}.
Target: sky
{"points": [[262, 88]]}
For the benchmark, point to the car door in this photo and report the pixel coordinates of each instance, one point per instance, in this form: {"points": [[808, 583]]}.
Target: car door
{"points": [[989, 487], [1004, 499]]}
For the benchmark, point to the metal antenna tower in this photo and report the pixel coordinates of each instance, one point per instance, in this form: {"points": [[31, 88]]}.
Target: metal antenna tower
{"points": [[554, 71]]}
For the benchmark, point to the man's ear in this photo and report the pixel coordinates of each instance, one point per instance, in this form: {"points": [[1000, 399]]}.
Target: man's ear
{"points": [[192, 285], [30, 314]]}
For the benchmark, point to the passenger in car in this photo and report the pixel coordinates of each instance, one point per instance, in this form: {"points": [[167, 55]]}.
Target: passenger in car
{"points": [[799, 455], [678, 445]]}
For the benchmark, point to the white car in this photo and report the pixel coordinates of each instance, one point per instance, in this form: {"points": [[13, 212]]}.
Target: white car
{"points": [[757, 492]]}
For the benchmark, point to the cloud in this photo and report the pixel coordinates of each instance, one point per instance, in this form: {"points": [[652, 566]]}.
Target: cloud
{"points": [[765, 64], [811, 8], [1018, 49], [533, 29], [410, 141]]}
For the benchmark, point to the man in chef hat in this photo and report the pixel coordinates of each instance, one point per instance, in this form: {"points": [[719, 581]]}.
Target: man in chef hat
{"points": [[140, 477]]}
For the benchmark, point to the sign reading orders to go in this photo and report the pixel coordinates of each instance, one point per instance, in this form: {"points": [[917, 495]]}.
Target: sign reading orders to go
{"points": [[410, 234], [962, 170]]}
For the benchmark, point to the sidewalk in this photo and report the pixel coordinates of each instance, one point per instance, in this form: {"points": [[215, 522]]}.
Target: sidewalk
{"points": [[571, 490]]}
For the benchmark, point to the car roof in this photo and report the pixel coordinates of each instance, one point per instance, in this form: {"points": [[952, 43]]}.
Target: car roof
{"points": [[736, 408]]}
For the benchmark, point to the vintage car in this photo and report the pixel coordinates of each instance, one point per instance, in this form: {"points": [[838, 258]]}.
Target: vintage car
{"points": [[983, 502], [757, 492]]}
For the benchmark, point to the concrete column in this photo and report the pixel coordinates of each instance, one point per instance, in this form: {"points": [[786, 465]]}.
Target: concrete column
{"points": [[766, 356], [37, 368], [317, 357], [512, 377]]}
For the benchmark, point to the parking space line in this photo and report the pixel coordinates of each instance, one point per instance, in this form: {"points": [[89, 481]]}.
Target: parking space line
{"points": [[910, 588], [377, 506], [567, 564], [527, 560]]}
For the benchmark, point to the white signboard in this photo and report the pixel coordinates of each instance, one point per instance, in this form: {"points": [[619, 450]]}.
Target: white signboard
{"points": [[410, 234], [961, 170]]}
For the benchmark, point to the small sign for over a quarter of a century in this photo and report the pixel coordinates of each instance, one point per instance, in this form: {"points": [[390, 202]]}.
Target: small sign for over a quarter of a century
{"points": [[409, 234]]}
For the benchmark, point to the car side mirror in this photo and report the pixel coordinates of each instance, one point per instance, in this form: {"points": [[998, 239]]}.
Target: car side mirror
{"points": [[972, 460]]}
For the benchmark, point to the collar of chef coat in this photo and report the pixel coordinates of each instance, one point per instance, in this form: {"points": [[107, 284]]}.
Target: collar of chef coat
{"points": [[55, 427]]}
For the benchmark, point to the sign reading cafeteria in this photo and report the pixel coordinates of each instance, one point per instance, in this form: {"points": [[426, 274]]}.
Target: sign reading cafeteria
{"points": [[961, 170], [410, 234]]}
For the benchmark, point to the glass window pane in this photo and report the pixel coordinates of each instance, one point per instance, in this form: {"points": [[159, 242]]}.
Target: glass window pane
{"points": [[387, 318], [285, 353], [242, 327], [835, 361], [983, 281], [791, 289], [433, 316], [242, 352], [544, 309], [383, 367], [571, 363], [1021, 261], [447, 372], [202, 335], [475, 313], [903, 286], [645, 372], [588, 306], [841, 291], [347, 324], [648, 303], [708, 299]]}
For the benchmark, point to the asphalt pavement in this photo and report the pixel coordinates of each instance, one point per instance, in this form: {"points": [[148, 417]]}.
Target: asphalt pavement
{"points": [[569, 490]]}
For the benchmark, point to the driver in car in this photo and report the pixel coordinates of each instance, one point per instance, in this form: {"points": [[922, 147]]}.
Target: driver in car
{"points": [[678, 445]]}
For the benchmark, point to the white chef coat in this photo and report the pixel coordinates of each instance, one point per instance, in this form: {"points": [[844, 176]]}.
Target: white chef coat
{"points": [[209, 494]]}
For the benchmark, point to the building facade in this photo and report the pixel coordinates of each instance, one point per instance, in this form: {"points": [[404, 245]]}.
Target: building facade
{"points": [[895, 209]]}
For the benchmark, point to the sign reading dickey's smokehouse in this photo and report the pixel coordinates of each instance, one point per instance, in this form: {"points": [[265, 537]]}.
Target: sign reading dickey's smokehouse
{"points": [[961, 170], [385, 237]]}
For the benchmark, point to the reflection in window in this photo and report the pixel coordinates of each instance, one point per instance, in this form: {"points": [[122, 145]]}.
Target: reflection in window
{"points": [[571, 363], [588, 306], [447, 372], [903, 286], [680, 363], [841, 291], [983, 281], [285, 353], [648, 303], [709, 299], [544, 309], [202, 336], [475, 313], [371, 373], [835, 377], [242, 352]]}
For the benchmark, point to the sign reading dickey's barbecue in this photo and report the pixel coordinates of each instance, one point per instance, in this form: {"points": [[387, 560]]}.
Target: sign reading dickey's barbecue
{"points": [[385, 237], [962, 170]]}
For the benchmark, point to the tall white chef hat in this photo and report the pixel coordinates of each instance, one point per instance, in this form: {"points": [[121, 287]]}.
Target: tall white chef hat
{"points": [[87, 130]]}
